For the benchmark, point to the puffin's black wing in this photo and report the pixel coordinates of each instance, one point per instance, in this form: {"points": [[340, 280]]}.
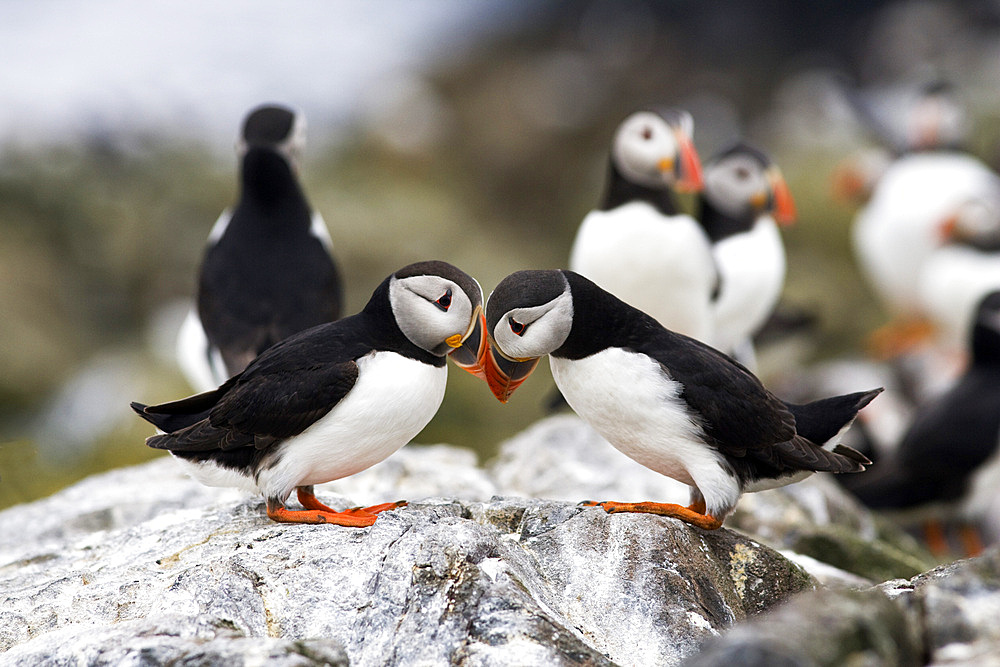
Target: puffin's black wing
{"points": [[737, 413], [283, 392], [946, 443], [741, 418]]}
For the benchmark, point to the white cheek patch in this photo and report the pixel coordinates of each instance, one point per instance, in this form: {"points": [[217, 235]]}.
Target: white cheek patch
{"points": [[638, 158], [420, 319], [547, 327]]}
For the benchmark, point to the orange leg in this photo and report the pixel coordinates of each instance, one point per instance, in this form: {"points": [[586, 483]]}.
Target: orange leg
{"points": [[354, 519], [317, 512], [694, 515], [972, 540], [309, 500], [935, 538], [899, 337]]}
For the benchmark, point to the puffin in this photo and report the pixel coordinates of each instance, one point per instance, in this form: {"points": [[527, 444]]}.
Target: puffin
{"points": [[947, 456], [963, 270], [668, 401], [268, 269], [897, 230], [745, 198], [637, 244], [332, 400]]}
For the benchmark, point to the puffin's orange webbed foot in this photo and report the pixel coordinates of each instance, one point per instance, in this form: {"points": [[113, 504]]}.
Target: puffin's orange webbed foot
{"points": [[352, 519], [694, 515], [309, 500], [317, 512]]}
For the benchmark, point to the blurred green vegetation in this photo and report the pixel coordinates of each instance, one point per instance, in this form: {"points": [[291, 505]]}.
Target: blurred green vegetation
{"points": [[101, 241], [97, 242]]}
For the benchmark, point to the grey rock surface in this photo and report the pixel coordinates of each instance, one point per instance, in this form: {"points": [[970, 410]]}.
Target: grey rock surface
{"points": [[947, 616], [145, 566], [563, 458]]}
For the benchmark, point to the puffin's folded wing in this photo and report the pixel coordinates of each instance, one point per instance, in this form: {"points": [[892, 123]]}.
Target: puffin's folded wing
{"points": [[280, 405]]}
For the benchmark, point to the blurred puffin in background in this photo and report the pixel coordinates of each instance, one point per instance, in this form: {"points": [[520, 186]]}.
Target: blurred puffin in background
{"points": [[946, 464], [268, 269], [962, 271], [637, 244], [744, 200], [896, 232]]}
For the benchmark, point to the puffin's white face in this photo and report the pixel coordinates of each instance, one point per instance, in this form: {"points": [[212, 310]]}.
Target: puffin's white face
{"points": [[433, 312], [530, 332], [736, 184], [646, 151], [976, 222]]}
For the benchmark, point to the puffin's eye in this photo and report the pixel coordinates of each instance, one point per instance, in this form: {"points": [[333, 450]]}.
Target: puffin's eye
{"points": [[445, 301], [742, 173], [647, 133], [517, 327]]}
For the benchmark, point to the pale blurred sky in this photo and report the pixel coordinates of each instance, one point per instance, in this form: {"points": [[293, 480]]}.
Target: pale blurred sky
{"points": [[193, 68]]}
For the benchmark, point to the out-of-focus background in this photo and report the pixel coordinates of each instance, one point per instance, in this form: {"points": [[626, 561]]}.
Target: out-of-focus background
{"points": [[475, 132]]}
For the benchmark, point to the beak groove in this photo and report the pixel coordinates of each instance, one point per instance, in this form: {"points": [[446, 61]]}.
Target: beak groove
{"points": [[504, 375], [690, 179], [470, 355]]}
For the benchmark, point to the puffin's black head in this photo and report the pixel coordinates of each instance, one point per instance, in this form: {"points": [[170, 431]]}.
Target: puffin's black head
{"points": [[742, 182], [528, 315], [439, 308], [986, 330], [275, 127]]}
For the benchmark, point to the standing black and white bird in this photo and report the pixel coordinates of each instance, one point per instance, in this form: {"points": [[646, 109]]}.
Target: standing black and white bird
{"points": [[268, 270], [945, 455], [956, 276], [637, 245], [744, 200], [670, 402], [332, 400]]}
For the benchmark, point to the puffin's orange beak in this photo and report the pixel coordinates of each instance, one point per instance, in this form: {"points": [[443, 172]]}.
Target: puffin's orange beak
{"points": [[504, 374], [947, 228], [690, 179], [471, 354], [784, 206]]}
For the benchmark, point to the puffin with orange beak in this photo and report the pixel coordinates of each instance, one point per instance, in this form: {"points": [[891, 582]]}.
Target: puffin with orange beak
{"points": [[670, 402], [332, 400], [637, 244], [744, 201]]}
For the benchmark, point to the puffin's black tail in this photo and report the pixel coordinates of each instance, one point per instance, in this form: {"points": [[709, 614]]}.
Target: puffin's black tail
{"points": [[821, 421], [173, 416]]}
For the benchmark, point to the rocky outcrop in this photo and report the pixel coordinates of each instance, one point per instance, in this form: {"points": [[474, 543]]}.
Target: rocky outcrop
{"points": [[492, 566], [563, 458], [944, 617], [145, 563]]}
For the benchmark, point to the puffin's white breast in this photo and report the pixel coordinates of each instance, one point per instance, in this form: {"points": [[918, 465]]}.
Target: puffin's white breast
{"points": [[897, 230], [752, 270], [660, 264], [953, 281], [630, 400], [391, 402]]}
